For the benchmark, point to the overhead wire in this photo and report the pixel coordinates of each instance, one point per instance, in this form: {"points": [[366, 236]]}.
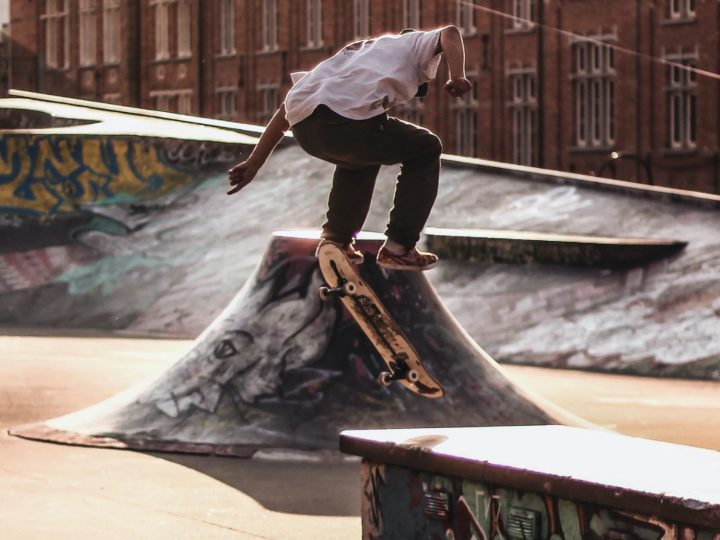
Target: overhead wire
{"points": [[590, 39]]}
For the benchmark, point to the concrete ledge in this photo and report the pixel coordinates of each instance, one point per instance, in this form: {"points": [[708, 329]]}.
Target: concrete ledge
{"points": [[575, 464], [593, 182], [523, 247]]}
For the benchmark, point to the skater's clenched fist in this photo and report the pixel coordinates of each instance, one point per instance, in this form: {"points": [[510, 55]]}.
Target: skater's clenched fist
{"points": [[458, 87]]}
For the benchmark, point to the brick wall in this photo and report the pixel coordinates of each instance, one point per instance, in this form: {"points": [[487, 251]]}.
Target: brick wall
{"points": [[244, 83]]}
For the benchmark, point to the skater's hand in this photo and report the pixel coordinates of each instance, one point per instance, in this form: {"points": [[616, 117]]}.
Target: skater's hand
{"points": [[458, 87], [241, 175]]}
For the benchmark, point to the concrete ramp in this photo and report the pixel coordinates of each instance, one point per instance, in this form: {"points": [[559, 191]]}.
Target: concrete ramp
{"points": [[279, 368]]}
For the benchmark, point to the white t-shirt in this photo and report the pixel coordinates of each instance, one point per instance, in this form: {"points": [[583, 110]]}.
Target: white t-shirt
{"points": [[366, 78]]}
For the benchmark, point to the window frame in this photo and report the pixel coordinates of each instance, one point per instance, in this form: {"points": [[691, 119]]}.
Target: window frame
{"points": [[227, 27], [412, 14], [57, 28], [593, 78], [361, 19], [270, 32], [681, 100], [314, 26], [112, 23], [87, 33], [523, 114]]}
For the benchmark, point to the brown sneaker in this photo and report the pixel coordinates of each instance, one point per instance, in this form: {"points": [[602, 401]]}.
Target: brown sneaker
{"points": [[355, 256], [411, 260]]}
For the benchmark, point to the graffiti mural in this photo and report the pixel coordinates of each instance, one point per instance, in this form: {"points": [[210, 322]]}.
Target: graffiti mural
{"points": [[51, 175], [402, 503], [281, 368]]}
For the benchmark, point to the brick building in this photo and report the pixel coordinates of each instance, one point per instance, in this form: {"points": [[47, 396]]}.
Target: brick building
{"points": [[618, 87]]}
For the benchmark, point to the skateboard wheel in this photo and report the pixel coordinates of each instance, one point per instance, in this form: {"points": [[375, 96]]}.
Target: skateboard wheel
{"points": [[349, 288], [323, 292], [385, 378], [413, 376]]}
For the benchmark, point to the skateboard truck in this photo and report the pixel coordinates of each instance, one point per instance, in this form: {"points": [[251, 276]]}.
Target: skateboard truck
{"points": [[399, 371], [346, 289]]}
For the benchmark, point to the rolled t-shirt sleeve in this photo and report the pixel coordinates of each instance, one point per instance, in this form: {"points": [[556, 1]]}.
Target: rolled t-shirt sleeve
{"points": [[424, 50]]}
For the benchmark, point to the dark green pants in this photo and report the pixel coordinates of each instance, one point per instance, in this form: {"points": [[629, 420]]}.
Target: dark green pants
{"points": [[358, 148]]}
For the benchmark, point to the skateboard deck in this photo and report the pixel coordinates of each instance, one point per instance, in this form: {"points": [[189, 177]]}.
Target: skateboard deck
{"points": [[401, 358]]}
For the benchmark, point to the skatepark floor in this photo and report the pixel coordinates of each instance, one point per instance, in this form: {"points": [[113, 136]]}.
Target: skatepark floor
{"points": [[52, 491]]}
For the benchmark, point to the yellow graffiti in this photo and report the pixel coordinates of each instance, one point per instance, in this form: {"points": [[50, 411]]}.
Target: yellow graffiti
{"points": [[49, 174]]}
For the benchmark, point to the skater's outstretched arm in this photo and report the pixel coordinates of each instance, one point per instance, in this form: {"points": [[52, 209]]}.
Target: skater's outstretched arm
{"points": [[451, 44], [243, 173]]}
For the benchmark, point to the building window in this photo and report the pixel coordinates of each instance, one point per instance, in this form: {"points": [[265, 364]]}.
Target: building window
{"points": [[184, 23], [413, 14], [523, 12], [682, 102], [227, 26], [88, 33], [161, 101], [466, 17], [269, 102], [314, 23], [111, 31], [57, 45], [175, 101], [522, 113], [466, 121], [594, 88], [226, 99], [270, 25], [162, 29], [113, 99], [185, 102], [412, 111], [681, 9], [361, 18]]}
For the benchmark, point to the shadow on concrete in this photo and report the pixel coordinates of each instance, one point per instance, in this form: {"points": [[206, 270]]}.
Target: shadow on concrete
{"points": [[292, 487]]}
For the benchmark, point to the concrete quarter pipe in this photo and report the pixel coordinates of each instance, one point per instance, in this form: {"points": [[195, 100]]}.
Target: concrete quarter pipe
{"points": [[279, 368]]}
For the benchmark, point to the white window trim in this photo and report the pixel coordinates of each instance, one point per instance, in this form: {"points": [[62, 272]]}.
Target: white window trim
{"points": [[467, 119], [87, 33], [270, 25], [361, 19], [267, 108], [162, 28], [681, 9], [314, 23], [685, 90], [466, 17], [223, 93], [111, 31], [113, 98], [227, 27], [412, 14], [594, 83], [184, 29], [413, 111], [55, 19], [522, 13], [183, 97], [523, 106]]}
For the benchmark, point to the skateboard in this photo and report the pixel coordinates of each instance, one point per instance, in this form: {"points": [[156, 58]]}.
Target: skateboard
{"points": [[402, 360]]}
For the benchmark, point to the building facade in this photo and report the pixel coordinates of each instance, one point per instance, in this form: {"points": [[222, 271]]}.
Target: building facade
{"points": [[620, 88]]}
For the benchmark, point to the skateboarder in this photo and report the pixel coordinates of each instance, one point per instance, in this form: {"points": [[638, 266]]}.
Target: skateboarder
{"points": [[338, 113]]}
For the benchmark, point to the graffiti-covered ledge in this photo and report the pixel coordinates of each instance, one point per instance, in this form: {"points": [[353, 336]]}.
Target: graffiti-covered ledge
{"points": [[588, 466]]}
